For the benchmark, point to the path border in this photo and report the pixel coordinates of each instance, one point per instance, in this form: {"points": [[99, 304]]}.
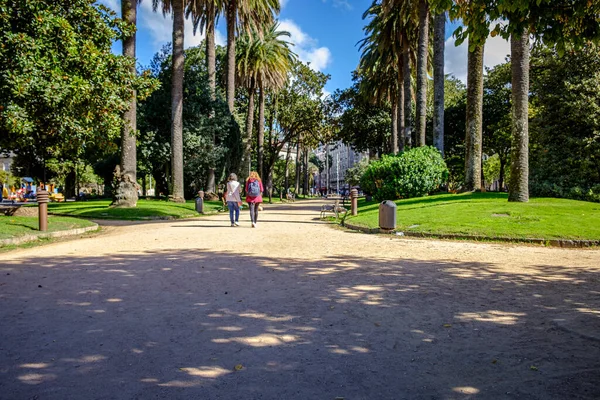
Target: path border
{"points": [[565, 243], [32, 238]]}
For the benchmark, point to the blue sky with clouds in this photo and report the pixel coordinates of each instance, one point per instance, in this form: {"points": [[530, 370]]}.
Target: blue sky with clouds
{"points": [[325, 33]]}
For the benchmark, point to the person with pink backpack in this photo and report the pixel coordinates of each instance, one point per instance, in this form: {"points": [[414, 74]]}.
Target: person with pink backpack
{"points": [[254, 189]]}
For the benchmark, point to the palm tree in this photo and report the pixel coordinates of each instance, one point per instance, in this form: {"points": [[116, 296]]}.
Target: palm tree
{"points": [[382, 68], [519, 168], [474, 140], [127, 191], [422, 53], [204, 15], [439, 38], [244, 15], [263, 64], [177, 8]]}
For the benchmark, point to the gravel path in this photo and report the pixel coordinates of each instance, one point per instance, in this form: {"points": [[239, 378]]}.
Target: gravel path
{"points": [[295, 309]]}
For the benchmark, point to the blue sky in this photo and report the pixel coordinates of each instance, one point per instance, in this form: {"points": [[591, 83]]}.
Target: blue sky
{"points": [[325, 33]]}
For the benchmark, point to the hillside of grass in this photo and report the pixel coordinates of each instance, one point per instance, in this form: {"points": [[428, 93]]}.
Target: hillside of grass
{"points": [[490, 215], [145, 210], [14, 227]]}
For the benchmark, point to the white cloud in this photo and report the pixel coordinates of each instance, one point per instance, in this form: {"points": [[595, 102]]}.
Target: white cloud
{"points": [[495, 52], [306, 47], [340, 4], [283, 3], [161, 27]]}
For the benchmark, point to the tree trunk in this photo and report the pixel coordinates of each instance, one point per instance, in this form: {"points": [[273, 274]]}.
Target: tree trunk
{"points": [[212, 82], [327, 166], [401, 124], [177, 102], [297, 180], [518, 188], [473, 140], [438, 81], [286, 182], [247, 164], [407, 92], [394, 138], [423, 51], [261, 130], [126, 194], [501, 179], [306, 174], [231, 20]]}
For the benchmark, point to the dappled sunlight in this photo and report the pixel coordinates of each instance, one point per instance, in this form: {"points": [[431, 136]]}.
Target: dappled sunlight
{"points": [[589, 311], [35, 365], [263, 340], [86, 359], [180, 384], [36, 379], [266, 317], [209, 372], [465, 390], [493, 316]]}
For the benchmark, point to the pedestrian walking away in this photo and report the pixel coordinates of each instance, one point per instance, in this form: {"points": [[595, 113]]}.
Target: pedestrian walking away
{"points": [[254, 190], [233, 198]]}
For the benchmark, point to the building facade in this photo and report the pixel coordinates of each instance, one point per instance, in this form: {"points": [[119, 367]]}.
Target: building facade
{"points": [[342, 157]]}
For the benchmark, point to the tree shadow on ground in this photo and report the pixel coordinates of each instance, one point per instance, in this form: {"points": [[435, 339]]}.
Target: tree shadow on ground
{"points": [[201, 324]]}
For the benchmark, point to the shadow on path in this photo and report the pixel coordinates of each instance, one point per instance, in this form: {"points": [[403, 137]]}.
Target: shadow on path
{"points": [[175, 324]]}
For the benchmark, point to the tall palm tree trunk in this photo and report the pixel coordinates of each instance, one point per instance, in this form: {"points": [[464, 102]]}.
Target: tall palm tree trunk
{"points": [[394, 138], [401, 123], [247, 164], [422, 52], [288, 156], [297, 180], [177, 102], [126, 194], [408, 124], [438, 81], [212, 82], [327, 166], [261, 130], [518, 189], [306, 175], [231, 20], [473, 140]]}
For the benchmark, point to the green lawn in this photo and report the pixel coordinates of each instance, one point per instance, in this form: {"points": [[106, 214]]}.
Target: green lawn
{"points": [[146, 209], [13, 227], [491, 215]]}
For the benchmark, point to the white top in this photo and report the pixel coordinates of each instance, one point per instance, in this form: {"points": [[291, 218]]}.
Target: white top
{"points": [[233, 192]]}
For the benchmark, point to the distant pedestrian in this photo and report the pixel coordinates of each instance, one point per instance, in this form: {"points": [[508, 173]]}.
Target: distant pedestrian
{"points": [[233, 198], [254, 189]]}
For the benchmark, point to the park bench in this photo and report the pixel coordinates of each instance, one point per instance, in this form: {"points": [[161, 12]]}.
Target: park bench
{"points": [[10, 207], [335, 209]]}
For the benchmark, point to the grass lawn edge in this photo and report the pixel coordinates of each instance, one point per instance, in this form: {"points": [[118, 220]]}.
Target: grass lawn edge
{"points": [[30, 238], [565, 243]]}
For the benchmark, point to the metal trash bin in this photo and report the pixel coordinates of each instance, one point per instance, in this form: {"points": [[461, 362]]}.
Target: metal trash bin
{"points": [[387, 215], [200, 202]]}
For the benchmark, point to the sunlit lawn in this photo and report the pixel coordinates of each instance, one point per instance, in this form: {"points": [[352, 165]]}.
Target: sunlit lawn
{"points": [[146, 209], [13, 227], [490, 215]]}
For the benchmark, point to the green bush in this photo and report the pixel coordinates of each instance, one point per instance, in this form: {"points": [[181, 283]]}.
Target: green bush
{"points": [[413, 173]]}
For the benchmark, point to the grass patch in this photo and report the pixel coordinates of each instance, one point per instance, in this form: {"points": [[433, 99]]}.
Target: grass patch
{"points": [[145, 210], [490, 215], [14, 227]]}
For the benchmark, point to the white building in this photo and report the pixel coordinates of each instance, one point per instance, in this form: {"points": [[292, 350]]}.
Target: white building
{"points": [[342, 157]]}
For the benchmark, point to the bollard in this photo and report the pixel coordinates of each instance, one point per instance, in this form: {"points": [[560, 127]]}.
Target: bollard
{"points": [[200, 202], [354, 201], [42, 198]]}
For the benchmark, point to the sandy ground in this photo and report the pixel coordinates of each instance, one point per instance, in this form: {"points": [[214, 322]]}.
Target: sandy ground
{"points": [[295, 309]]}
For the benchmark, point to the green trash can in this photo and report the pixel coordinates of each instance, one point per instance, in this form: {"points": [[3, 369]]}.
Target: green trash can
{"points": [[387, 215]]}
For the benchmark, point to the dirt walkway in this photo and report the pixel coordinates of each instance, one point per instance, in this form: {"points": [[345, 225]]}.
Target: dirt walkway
{"points": [[295, 309]]}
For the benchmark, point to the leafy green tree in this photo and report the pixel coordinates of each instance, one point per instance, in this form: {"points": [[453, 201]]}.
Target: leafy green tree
{"points": [[565, 123], [62, 90], [201, 153]]}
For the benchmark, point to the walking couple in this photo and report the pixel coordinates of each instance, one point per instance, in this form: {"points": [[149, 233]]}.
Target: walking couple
{"points": [[253, 190]]}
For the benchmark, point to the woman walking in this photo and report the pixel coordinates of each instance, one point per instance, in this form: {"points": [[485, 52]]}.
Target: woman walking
{"points": [[233, 198], [254, 189]]}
